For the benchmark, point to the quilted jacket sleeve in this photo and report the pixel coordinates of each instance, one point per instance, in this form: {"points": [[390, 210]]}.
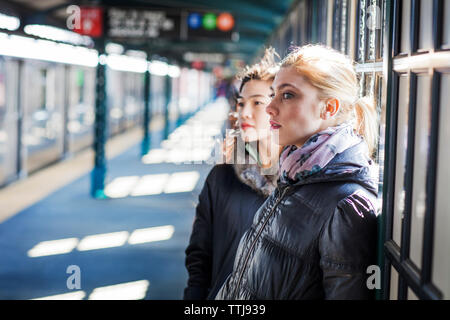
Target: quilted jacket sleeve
{"points": [[347, 247]]}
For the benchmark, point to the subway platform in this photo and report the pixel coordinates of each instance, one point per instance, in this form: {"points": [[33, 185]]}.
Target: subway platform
{"points": [[58, 242]]}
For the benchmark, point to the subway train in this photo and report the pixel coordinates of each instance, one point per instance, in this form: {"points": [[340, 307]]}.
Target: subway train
{"points": [[47, 108]]}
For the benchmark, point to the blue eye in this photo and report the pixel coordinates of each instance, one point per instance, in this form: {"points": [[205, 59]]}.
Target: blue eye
{"points": [[272, 95], [287, 95]]}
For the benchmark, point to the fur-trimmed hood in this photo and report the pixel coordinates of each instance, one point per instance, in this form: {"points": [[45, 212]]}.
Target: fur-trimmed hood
{"points": [[250, 174]]}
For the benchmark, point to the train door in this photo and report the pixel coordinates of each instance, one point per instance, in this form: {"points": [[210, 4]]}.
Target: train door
{"points": [[81, 107], [9, 120], [417, 175], [133, 97], [115, 101], [42, 100], [157, 99]]}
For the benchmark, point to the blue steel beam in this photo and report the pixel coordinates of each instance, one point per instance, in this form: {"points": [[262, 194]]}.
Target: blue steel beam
{"points": [[98, 174], [146, 140]]}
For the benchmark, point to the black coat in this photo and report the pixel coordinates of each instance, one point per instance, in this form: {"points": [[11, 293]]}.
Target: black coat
{"points": [[224, 212], [312, 239]]}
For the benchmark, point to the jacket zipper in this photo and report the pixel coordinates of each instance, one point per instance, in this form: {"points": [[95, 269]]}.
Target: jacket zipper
{"points": [[256, 239]]}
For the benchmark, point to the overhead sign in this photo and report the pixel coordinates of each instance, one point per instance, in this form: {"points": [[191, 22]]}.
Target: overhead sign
{"points": [[142, 23], [146, 23], [170, 24], [91, 22]]}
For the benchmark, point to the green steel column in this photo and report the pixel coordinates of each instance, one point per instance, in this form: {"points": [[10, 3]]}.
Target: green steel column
{"points": [[168, 92], [146, 140], [389, 148], [100, 128]]}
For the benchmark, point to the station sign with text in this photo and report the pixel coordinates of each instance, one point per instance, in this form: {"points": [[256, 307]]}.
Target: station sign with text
{"points": [[182, 25]]}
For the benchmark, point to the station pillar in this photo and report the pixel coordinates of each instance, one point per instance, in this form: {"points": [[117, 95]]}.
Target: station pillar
{"points": [[168, 94], [100, 128], [146, 141]]}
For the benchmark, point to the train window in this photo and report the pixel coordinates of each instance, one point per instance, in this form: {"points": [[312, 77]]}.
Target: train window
{"points": [[405, 26], [412, 295], [369, 84], [426, 21], [3, 129], [81, 107], [293, 21], [441, 257], [446, 24], [361, 45], [420, 184], [42, 89], [372, 31], [336, 25], [381, 112], [339, 25], [402, 143], [281, 40], [80, 85], [377, 15], [370, 18], [344, 25], [381, 27], [157, 93], [302, 26], [421, 146], [2, 89], [394, 284]]}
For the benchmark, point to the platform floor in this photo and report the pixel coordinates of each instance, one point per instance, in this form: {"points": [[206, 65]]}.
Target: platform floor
{"points": [[67, 245]]}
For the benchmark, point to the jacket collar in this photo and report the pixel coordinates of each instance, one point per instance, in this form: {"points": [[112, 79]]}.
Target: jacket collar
{"points": [[352, 165], [250, 175]]}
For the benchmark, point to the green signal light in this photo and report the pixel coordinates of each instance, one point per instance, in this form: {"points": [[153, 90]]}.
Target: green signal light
{"points": [[209, 21]]}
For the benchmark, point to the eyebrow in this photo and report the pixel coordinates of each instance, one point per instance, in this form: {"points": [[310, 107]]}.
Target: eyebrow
{"points": [[283, 85], [252, 96]]}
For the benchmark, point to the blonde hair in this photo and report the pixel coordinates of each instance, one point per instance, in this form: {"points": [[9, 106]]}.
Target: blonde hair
{"points": [[333, 74], [265, 69]]}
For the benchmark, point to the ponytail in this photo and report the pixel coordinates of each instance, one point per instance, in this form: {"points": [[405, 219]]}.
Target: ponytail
{"points": [[366, 121]]}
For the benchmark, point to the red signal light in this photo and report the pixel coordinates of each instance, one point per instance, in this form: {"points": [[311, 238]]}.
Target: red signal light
{"points": [[197, 64], [225, 22]]}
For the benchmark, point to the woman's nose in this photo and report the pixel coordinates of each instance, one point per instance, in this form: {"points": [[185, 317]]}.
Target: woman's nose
{"points": [[270, 109], [246, 112]]}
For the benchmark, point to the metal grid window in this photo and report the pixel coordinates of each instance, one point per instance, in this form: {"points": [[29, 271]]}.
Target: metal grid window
{"points": [[415, 79]]}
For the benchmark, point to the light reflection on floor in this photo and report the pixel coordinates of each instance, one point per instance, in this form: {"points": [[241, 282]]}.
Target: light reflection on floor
{"points": [[101, 241], [135, 290], [122, 187]]}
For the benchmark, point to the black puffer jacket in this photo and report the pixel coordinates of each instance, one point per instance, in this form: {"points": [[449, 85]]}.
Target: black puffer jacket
{"points": [[311, 240], [230, 197]]}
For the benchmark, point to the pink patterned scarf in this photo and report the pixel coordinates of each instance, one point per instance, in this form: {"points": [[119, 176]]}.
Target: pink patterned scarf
{"points": [[297, 164]]}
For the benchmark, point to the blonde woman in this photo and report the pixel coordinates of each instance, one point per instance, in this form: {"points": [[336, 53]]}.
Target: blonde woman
{"points": [[315, 235], [233, 192]]}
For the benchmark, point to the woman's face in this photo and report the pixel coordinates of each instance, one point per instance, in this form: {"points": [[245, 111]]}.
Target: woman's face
{"points": [[295, 109], [251, 105]]}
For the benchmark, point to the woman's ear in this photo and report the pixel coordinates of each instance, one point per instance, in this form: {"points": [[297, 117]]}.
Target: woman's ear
{"points": [[330, 109]]}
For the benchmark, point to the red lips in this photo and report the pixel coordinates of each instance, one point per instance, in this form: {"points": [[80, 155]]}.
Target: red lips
{"points": [[274, 125], [245, 126]]}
